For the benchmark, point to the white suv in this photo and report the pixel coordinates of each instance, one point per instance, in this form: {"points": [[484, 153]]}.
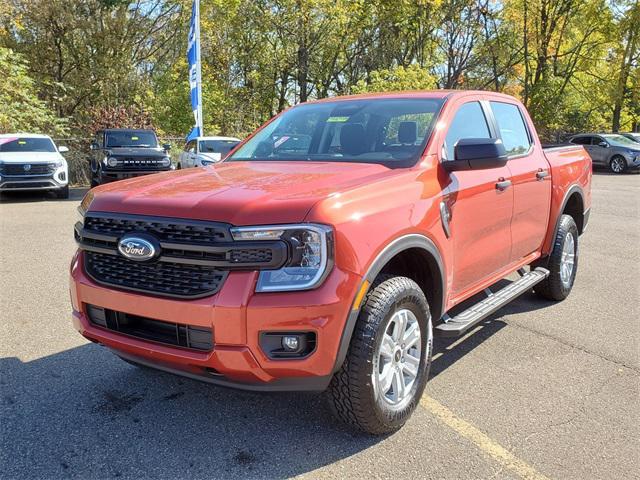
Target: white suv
{"points": [[32, 162], [203, 151]]}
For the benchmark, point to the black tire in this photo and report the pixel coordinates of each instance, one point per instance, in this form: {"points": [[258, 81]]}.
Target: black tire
{"points": [[94, 182], [178, 166], [63, 192], [553, 287], [352, 395], [617, 164]]}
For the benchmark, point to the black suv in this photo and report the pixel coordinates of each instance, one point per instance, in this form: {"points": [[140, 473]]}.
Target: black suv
{"points": [[123, 153]]}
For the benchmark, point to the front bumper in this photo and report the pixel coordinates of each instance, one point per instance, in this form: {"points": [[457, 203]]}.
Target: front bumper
{"points": [[237, 317], [51, 181]]}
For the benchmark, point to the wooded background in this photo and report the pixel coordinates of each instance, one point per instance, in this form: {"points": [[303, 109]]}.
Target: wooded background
{"points": [[70, 66]]}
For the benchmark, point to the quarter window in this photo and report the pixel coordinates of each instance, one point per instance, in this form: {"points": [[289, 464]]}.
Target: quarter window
{"points": [[469, 122], [512, 128]]}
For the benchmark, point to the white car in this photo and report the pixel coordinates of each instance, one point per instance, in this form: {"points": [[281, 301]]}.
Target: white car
{"points": [[32, 162], [202, 151]]}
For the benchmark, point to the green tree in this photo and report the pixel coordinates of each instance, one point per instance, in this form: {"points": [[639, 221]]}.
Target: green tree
{"points": [[20, 108]]}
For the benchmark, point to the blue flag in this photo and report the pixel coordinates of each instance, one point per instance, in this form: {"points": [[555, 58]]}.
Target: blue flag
{"points": [[195, 80]]}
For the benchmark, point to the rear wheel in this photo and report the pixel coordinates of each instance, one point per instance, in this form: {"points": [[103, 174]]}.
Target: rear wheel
{"points": [[386, 369], [562, 263], [618, 164]]}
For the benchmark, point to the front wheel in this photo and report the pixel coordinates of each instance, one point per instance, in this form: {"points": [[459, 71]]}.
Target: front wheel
{"points": [[386, 369], [562, 263], [618, 164]]}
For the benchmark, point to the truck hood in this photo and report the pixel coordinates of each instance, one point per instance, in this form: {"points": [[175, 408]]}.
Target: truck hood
{"points": [[30, 157], [239, 193]]}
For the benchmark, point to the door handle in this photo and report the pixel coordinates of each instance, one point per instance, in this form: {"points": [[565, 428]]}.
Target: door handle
{"points": [[503, 185], [541, 174]]}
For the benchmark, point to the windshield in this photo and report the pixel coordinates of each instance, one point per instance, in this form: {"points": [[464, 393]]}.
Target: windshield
{"points": [[217, 146], [620, 141], [17, 144], [131, 139], [391, 131]]}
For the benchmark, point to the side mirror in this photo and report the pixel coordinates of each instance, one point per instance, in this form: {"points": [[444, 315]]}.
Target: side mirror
{"points": [[94, 146], [477, 154], [63, 149], [603, 144], [166, 146]]}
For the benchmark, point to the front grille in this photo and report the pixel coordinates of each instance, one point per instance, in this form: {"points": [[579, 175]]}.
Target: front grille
{"points": [[27, 185], [34, 168], [185, 336], [139, 163], [165, 278], [193, 259], [167, 230]]}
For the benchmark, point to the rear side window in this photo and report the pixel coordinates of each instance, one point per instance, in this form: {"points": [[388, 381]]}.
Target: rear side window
{"points": [[469, 122], [512, 128]]}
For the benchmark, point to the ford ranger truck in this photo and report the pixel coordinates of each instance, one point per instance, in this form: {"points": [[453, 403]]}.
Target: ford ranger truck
{"points": [[119, 153], [329, 248]]}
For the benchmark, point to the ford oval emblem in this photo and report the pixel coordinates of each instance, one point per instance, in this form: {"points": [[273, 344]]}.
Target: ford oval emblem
{"points": [[137, 248], [26, 167]]}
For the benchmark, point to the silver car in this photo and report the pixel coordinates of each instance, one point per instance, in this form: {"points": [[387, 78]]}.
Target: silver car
{"points": [[616, 152]]}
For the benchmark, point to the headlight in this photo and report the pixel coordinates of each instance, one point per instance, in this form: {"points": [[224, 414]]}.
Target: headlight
{"points": [[207, 162], [310, 255], [112, 161], [80, 215], [58, 164], [166, 161]]}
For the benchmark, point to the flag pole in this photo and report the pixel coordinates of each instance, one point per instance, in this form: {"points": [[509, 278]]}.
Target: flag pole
{"points": [[199, 69]]}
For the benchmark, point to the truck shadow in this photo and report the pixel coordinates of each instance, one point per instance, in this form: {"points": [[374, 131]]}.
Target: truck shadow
{"points": [[84, 413], [447, 351], [75, 195]]}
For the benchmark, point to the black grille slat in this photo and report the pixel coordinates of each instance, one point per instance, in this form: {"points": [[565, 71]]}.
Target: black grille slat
{"points": [[36, 169], [167, 231], [164, 278]]}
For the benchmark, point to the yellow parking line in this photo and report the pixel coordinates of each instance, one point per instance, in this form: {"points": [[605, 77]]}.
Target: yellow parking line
{"points": [[492, 448]]}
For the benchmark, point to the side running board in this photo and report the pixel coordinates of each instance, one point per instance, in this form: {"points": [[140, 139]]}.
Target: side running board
{"points": [[454, 326]]}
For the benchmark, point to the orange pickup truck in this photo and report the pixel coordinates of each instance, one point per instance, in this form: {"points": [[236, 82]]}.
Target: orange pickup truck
{"points": [[330, 246]]}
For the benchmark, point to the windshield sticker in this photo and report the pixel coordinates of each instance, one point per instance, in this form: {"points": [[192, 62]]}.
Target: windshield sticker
{"points": [[135, 138], [22, 142], [337, 119], [280, 141]]}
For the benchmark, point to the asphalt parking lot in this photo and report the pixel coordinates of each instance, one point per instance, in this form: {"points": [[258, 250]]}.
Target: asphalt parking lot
{"points": [[539, 390]]}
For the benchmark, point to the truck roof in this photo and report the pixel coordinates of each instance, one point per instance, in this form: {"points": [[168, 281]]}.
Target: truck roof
{"points": [[127, 130], [412, 94]]}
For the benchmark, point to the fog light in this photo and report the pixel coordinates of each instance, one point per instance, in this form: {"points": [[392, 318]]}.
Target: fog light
{"points": [[290, 343]]}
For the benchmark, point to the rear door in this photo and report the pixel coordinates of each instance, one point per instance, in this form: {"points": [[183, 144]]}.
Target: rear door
{"points": [[599, 150], [530, 176], [480, 211]]}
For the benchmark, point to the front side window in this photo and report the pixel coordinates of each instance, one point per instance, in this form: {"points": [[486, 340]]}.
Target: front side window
{"points": [[469, 122], [141, 139], [390, 131], [512, 128], [26, 144]]}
